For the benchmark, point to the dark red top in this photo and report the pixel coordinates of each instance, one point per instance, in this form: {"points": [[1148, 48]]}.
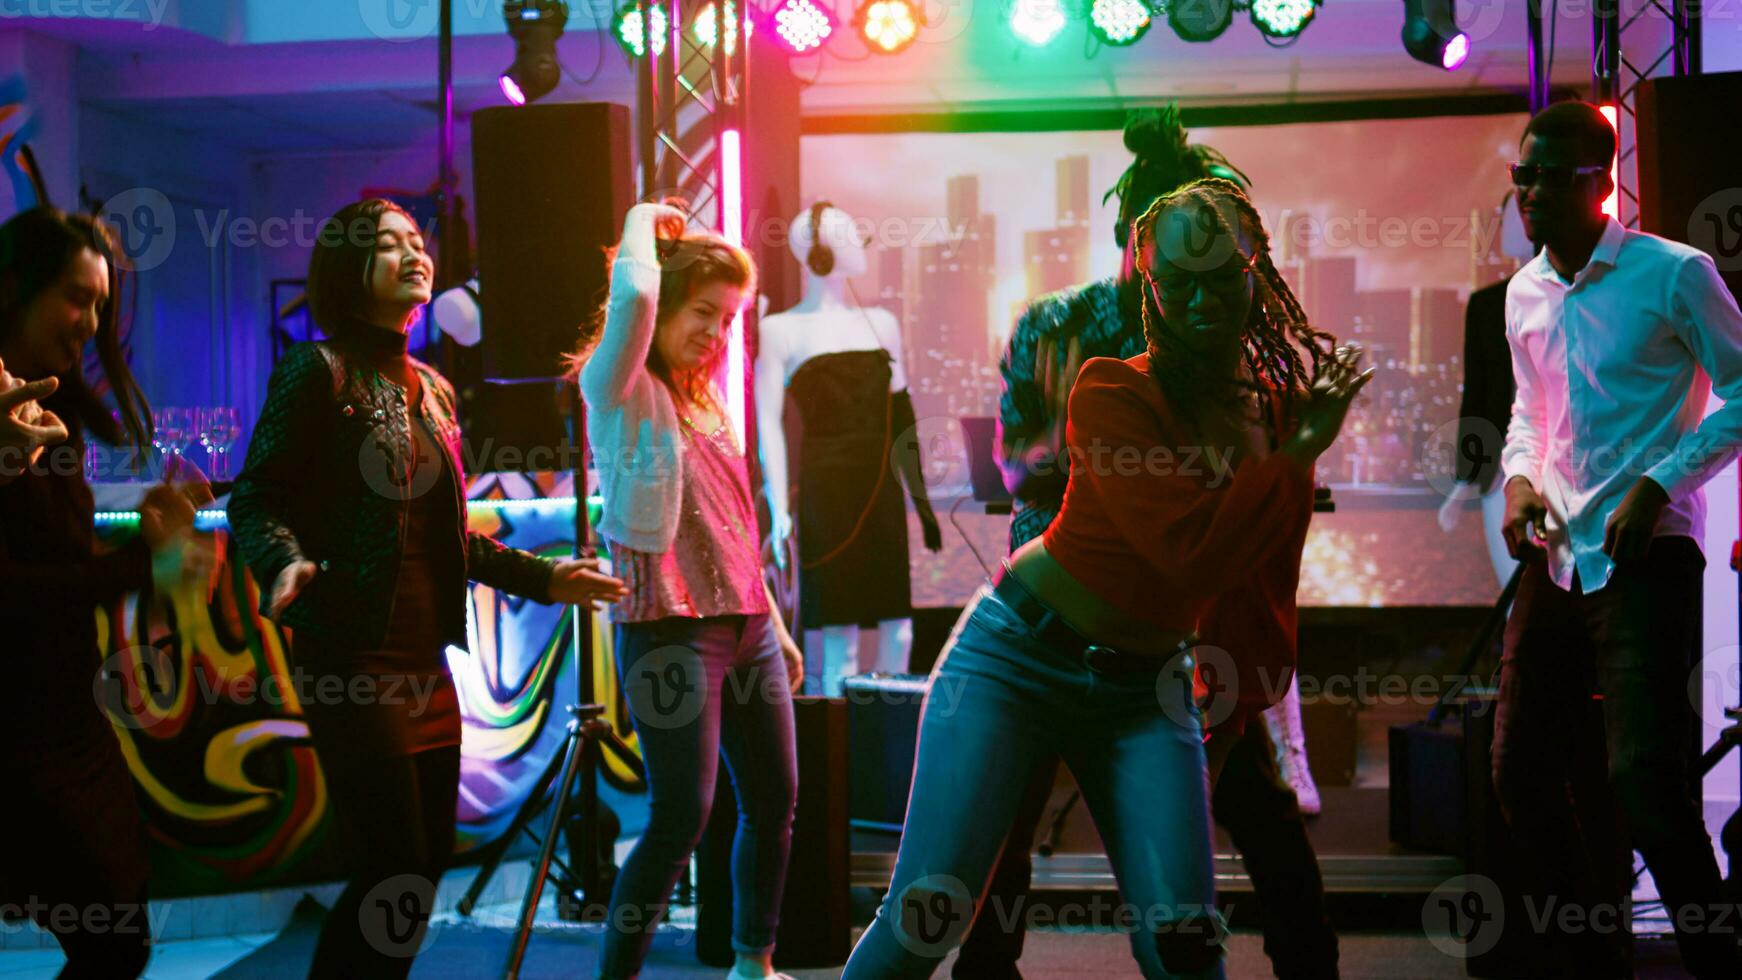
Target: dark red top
{"points": [[1152, 525]]}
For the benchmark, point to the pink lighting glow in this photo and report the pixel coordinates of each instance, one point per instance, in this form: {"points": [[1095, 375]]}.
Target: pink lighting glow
{"points": [[1457, 50], [512, 91], [1612, 203], [732, 226]]}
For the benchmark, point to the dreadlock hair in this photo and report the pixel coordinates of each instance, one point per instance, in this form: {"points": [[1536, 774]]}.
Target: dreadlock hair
{"points": [[1283, 351], [1164, 162]]}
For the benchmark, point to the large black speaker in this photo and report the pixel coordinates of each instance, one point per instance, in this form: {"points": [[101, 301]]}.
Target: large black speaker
{"points": [[816, 926], [552, 183], [1687, 134]]}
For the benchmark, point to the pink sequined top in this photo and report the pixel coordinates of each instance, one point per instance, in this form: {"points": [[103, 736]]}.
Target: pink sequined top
{"points": [[715, 565]]}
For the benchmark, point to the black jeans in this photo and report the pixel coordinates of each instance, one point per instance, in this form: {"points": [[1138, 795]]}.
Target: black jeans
{"points": [[1260, 813], [397, 817], [1635, 640]]}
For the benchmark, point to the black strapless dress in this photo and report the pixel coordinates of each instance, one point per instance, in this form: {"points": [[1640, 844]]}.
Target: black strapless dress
{"points": [[852, 518]]}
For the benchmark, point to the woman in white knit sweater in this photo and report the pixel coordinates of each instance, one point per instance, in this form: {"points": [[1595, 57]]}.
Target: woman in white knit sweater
{"points": [[705, 661]]}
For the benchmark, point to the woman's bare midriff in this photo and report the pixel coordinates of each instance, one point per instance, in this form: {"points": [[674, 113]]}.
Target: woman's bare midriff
{"points": [[1087, 612]]}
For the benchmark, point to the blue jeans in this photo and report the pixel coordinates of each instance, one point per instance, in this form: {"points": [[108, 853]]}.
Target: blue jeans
{"points": [[1000, 703], [698, 688]]}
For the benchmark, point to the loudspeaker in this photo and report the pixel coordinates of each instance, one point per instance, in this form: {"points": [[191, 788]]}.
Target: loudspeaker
{"points": [[551, 183], [816, 927], [883, 712], [1687, 132]]}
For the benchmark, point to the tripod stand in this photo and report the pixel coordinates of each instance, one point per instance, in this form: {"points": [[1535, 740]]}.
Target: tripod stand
{"points": [[578, 758]]}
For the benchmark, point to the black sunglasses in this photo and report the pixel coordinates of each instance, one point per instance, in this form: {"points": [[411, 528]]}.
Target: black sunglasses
{"points": [[1551, 175]]}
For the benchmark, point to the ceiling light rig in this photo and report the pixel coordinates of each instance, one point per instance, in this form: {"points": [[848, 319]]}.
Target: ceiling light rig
{"points": [[1118, 23], [802, 25], [888, 26]]}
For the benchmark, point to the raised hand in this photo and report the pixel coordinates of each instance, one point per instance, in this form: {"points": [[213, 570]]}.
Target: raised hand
{"points": [[1327, 406]]}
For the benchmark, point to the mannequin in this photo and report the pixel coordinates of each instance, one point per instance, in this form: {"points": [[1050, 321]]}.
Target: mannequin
{"points": [[852, 525], [1488, 396]]}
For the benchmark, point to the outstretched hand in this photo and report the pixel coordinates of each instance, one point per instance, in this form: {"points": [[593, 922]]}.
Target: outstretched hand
{"points": [[578, 582], [26, 428]]}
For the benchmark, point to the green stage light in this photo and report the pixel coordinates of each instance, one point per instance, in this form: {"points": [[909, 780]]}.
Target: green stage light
{"points": [[1036, 22], [1282, 18], [1118, 22], [626, 28]]}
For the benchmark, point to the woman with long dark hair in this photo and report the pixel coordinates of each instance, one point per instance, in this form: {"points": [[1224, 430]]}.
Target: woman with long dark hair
{"points": [[1187, 505], [74, 840], [707, 664], [350, 513]]}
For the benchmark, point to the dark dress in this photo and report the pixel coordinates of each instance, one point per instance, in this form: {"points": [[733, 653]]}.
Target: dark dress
{"points": [[71, 827], [852, 518]]}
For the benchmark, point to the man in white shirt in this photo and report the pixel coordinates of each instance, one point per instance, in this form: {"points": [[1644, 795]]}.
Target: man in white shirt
{"points": [[1618, 339]]}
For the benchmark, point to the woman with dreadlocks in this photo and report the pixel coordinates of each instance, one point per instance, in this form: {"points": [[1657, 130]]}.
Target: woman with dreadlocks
{"points": [[1188, 499]]}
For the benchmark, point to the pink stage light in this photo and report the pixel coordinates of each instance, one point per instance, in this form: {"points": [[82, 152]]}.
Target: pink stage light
{"points": [[732, 226], [1612, 203], [802, 24], [1457, 51], [512, 91]]}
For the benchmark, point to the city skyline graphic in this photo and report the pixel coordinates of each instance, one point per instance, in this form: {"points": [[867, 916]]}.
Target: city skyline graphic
{"points": [[1381, 245]]}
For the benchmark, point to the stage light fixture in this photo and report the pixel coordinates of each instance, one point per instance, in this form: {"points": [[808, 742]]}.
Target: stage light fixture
{"points": [[1036, 22], [1118, 22], [1283, 18], [704, 28], [626, 28], [888, 26], [802, 24], [535, 26], [1198, 21], [1431, 35]]}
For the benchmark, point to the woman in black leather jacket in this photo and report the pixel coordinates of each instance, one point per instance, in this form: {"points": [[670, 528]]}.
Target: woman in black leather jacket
{"points": [[350, 513]]}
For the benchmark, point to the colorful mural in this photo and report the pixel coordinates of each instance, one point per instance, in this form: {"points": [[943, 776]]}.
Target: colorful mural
{"points": [[22, 186], [200, 696]]}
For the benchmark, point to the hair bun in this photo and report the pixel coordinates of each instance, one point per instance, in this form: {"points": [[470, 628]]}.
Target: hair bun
{"points": [[1155, 134]]}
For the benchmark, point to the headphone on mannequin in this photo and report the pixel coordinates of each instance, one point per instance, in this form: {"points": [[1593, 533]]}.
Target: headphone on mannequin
{"points": [[821, 258]]}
